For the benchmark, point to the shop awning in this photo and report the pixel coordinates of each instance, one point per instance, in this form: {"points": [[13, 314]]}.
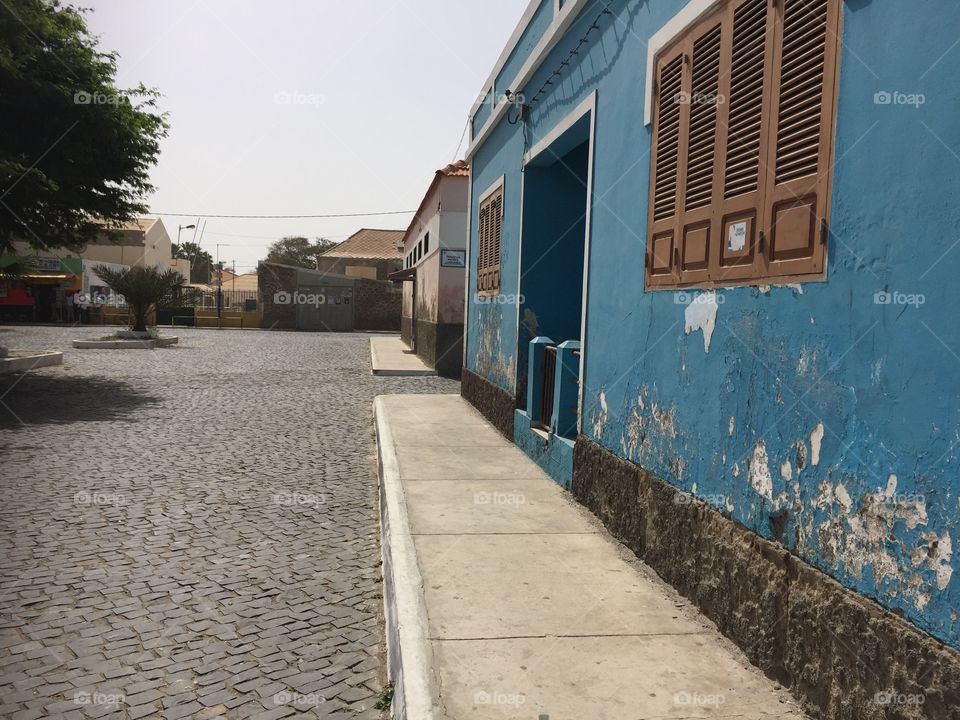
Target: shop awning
{"points": [[403, 275], [47, 277]]}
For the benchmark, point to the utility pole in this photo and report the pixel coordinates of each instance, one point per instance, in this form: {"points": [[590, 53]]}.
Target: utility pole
{"points": [[219, 284]]}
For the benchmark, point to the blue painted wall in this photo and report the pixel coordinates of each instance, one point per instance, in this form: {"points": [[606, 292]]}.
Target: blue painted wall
{"points": [[815, 415], [538, 25], [532, 34]]}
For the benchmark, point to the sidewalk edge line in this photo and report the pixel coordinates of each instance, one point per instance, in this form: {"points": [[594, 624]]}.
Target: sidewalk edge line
{"points": [[409, 655]]}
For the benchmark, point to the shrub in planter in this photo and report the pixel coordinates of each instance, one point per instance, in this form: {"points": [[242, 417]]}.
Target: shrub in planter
{"points": [[143, 288]]}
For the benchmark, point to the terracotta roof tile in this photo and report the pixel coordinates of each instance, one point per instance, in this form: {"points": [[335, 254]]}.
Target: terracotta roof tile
{"points": [[369, 243], [459, 168]]}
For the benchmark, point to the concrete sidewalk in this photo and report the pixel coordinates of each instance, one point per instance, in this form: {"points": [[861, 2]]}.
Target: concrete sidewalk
{"points": [[506, 599], [390, 356]]}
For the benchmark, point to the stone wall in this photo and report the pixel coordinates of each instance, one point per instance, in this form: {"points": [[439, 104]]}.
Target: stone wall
{"points": [[493, 402], [377, 305], [838, 652], [441, 347], [272, 279]]}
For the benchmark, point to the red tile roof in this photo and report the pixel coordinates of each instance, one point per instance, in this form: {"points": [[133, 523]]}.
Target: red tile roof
{"points": [[459, 168], [369, 243]]}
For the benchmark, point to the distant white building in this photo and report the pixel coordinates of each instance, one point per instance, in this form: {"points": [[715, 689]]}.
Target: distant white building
{"points": [[434, 270]]}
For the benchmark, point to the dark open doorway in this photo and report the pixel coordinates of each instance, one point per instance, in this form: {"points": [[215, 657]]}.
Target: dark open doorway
{"points": [[553, 236]]}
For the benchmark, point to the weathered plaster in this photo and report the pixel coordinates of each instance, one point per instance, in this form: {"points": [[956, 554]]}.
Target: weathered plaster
{"points": [[701, 314], [760, 476], [816, 438]]}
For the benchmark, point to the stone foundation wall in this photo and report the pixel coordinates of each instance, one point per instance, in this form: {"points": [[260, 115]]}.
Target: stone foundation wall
{"points": [[377, 305], [449, 357], [837, 651], [441, 347], [493, 402]]}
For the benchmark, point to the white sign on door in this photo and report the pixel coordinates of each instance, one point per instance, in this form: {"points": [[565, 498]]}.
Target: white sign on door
{"points": [[737, 236]]}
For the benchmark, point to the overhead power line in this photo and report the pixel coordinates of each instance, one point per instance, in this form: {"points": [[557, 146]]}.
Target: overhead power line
{"points": [[269, 237], [292, 217]]}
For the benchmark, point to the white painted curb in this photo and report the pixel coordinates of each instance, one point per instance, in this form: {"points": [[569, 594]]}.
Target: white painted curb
{"points": [[25, 363], [409, 656], [376, 366]]}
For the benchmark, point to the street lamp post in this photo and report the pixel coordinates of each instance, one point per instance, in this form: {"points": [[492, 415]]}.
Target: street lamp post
{"points": [[180, 228]]}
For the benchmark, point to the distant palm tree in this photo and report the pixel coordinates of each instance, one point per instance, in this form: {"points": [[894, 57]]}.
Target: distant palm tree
{"points": [[17, 268], [142, 287]]}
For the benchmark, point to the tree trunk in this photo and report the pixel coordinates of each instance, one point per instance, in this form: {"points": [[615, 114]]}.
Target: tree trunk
{"points": [[139, 319]]}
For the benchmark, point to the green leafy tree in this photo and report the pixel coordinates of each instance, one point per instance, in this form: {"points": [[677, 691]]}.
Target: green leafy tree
{"points": [[75, 150], [297, 251], [322, 245], [142, 287], [201, 262]]}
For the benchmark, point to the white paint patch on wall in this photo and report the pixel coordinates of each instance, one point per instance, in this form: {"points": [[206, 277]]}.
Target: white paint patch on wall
{"points": [[701, 314], [843, 497], [600, 418], [786, 470], [936, 552], [941, 560], [760, 476], [816, 438], [891, 486]]}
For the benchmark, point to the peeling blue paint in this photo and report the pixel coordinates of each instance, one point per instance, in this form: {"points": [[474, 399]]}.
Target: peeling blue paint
{"points": [[824, 416]]}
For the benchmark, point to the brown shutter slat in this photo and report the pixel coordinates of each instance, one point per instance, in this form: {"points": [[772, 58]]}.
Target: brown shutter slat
{"points": [[801, 88], [703, 120], [668, 141], [746, 98], [482, 250]]}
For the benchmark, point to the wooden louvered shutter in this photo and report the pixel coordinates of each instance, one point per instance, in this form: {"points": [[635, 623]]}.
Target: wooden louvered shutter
{"points": [[490, 223], [796, 206], [699, 128], [665, 181], [742, 150], [484, 243], [742, 145]]}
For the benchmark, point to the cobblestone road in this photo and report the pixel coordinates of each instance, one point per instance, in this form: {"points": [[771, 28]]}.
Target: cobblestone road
{"points": [[192, 532]]}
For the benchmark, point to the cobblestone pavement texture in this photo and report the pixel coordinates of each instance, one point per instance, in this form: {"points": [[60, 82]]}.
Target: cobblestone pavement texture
{"points": [[192, 531]]}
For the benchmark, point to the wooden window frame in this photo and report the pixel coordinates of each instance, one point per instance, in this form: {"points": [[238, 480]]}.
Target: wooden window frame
{"points": [[688, 248], [490, 239]]}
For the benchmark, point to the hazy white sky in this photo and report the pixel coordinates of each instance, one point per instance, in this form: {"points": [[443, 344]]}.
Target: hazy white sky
{"points": [[302, 106]]}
